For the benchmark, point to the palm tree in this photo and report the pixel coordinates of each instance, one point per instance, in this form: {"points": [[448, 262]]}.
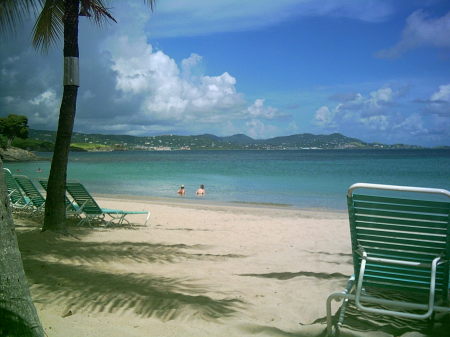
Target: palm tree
{"points": [[56, 18], [18, 316]]}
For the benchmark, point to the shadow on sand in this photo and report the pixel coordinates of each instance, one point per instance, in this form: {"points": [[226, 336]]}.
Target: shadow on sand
{"points": [[62, 270], [289, 275]]}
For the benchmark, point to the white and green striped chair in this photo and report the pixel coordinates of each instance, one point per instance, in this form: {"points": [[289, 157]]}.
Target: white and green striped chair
{"points": [[93, 212], [400, 239], [19, 203]]}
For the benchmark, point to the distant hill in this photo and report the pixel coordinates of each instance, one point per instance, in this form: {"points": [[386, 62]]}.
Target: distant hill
{"points": [[239, 139], [100, 142]]}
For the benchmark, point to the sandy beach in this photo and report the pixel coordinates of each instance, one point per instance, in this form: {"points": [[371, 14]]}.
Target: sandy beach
{"points": [[196, 269]]}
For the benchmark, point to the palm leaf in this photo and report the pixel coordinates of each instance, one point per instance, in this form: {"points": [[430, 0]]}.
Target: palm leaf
{"points": [[49, 25], [97, 11], [13, 13], [151, 3]]}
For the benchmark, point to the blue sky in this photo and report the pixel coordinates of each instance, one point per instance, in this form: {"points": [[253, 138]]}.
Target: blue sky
{"points": [[378, 70]]}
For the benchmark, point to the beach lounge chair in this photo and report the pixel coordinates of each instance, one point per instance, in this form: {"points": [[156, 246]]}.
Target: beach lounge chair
{"points": [[33, 194], [400, 245], [92, 211], [72, 209], [18, 201]]}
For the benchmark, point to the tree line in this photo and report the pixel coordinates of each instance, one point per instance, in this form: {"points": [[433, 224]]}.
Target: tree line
{"points": [[11, 127]]}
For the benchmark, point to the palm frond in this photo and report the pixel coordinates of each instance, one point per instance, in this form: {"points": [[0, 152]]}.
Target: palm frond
{"points": [[151, 3], [14, 12], [97, 10], [49, 26]]}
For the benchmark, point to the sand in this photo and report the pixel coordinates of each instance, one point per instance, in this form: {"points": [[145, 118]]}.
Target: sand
{"points": [[196, 269]]}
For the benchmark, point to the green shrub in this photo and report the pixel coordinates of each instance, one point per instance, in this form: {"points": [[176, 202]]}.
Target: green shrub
{"points": [[3, 142], [33, 145]]}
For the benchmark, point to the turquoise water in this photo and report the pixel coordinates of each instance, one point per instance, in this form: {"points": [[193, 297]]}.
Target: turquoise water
{"points": [[299, 178]]}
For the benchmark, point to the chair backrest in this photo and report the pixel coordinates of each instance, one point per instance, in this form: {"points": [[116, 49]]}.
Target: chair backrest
{"points": [[83, 198], [400, 228], [69, 204], [14, 191], [30, 190]]}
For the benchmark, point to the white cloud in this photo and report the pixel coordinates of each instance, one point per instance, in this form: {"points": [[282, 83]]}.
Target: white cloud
{"points": [[372, 105], [8, 99], [258, 129], [201, 17], [383, 115], [439, 102], [421, 31], [324, 117], [47, 98], [180, 95], [380, 122], [166, 93], [413, 125], [87, 95], [443, 94], [380, 97], [44, 108], [258, 110], [369, 111], [188, 65]]}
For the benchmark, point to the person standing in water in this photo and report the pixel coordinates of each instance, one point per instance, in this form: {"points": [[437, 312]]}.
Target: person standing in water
{"points": [[201, 191], [181, 191]]}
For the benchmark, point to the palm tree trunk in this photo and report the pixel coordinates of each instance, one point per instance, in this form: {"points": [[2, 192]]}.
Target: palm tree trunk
{"points": [[18, 316], [55, 211]]}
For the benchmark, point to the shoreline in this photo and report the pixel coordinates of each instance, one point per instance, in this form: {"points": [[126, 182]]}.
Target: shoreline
{"points": [[204, 202]]}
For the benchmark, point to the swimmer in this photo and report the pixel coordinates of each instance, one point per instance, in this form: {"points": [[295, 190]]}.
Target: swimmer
{"points": [[181, 191], [201, 191]]}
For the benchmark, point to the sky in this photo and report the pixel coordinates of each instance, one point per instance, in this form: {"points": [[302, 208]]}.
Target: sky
{"points": [[377, 70]]}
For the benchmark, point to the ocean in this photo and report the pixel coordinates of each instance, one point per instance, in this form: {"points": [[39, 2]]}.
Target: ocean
{"points": [[304, 179]]}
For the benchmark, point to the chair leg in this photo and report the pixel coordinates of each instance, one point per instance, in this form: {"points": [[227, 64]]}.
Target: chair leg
{"points": [[338, 296]]}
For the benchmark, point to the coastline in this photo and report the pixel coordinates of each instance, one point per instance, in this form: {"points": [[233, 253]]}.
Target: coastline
{"points": [[18, 155], [198, 202], [197, 269]]}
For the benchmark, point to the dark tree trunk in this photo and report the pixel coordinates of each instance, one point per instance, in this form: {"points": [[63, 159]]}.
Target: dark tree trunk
{"points": [[55, 211], [18, 316]]}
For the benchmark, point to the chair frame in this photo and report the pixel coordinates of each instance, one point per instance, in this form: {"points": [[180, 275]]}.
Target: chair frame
{"points": [[72, 209], [37, 200], [92, 211], [18, 201], [355, 291]]}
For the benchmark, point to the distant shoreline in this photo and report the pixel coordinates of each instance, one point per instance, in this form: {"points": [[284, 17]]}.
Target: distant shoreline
{"points": [[263, 150]]}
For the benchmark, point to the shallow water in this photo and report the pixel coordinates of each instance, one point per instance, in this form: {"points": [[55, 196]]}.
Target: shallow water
{"points": [[307, 179]]}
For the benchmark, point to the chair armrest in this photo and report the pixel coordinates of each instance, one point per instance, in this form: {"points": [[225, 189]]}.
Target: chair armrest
{"points": [[430, 308]]}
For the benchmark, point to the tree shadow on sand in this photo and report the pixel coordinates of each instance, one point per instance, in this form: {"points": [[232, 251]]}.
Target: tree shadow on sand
{"points": [[63, 270], [289, 275]]}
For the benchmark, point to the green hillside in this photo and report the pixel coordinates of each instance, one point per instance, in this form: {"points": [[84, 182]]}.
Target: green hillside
{"points": [[100, 142]]}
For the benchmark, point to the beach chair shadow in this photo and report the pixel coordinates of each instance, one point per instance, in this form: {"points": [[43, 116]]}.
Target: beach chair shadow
{"points": [[93, 212], [401, 247], [19, 203]]}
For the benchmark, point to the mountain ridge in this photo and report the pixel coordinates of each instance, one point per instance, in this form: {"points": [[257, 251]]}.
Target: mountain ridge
{"points": [[213, 142]]}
